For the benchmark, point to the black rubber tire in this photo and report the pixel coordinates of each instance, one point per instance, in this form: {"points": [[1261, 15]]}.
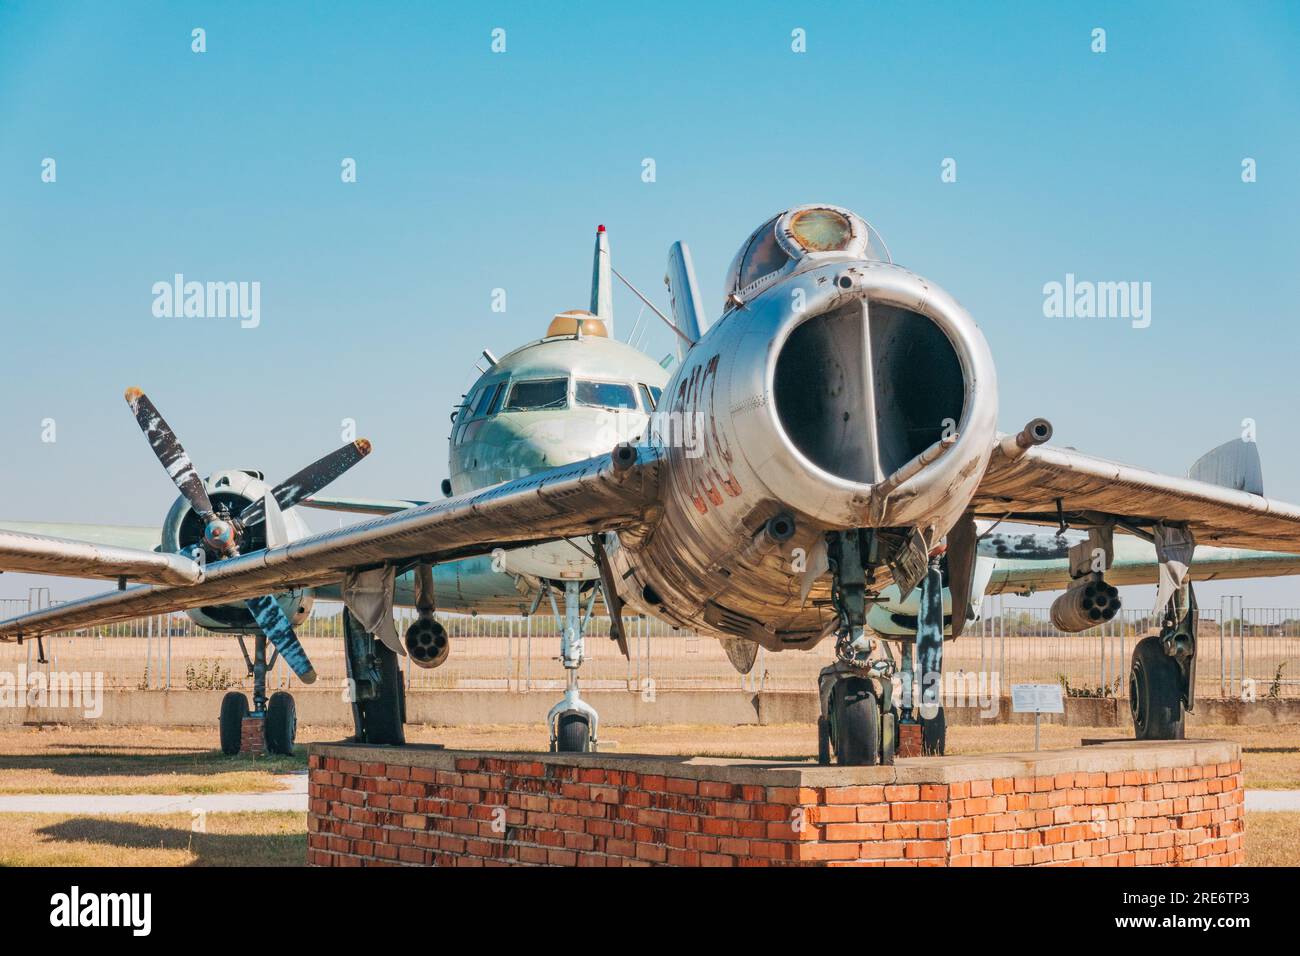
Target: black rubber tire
{"points": [[888, 738], [856, 713], [234, 708], [823, 742], [934, 734], [381, 717], [573, 734], [281, 723], [1155, 696]]}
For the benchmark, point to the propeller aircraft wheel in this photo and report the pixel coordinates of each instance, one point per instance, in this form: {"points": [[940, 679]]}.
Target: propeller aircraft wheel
{"points": [[823, 742], [281, 723], [573, 735], [1155, 693], [234, 708]]}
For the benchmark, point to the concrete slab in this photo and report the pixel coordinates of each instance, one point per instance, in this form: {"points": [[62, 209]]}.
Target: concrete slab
{"points": [[1109, 757], [293, 798], [1287, 800]]}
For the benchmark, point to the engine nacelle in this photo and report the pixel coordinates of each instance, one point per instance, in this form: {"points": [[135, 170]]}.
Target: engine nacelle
{"points": [[231, 491], [1088, 602], [427, 642]]}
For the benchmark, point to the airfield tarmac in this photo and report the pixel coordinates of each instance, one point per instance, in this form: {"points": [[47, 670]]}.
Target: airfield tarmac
{"points": [[190, 805]]}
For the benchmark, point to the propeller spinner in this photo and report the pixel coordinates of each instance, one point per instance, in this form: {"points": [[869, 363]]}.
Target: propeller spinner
{"points": [[223, 535]]}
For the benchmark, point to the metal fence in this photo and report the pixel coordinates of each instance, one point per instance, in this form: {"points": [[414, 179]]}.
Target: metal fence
{"points": [[1251, 652]]}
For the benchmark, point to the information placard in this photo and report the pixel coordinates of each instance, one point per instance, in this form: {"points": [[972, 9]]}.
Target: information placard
{"points": [[1037, 699]]}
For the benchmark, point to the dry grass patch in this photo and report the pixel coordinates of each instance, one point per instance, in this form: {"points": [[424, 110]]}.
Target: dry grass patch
{"points": [[1272, 838], [230, 839], [126, 760]]}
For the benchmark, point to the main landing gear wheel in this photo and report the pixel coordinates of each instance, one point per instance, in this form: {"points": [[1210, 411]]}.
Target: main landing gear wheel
{"points": [[382, 716], [573, 734], [855, 719], [934, 734], [281, 723], [1155, 692], [234, 708]]}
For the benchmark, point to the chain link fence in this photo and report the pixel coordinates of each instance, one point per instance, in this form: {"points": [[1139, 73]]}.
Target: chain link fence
{"points": [[1251, 653]]}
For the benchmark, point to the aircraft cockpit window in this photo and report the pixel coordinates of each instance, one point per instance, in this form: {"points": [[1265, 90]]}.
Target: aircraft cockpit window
{"points": [[821, 230], [604, 394], [764, 256], [650, 396], [538, 394], [486, 399], [495, 405], [466, 410]]}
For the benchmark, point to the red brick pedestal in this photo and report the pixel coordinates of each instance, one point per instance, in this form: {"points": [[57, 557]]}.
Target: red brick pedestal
{"points": [[909, 740], [252, 736], [1116, 804]]}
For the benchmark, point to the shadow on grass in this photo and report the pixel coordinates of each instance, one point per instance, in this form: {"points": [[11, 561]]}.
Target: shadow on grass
{"points": [[210, 849], [99, 760]]}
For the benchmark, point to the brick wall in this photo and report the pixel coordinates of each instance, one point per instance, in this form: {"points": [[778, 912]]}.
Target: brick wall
{"points": [[1121, 804]]}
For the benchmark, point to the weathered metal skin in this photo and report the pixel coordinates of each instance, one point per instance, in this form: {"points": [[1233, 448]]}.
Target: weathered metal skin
{"points": [[699, 564]]}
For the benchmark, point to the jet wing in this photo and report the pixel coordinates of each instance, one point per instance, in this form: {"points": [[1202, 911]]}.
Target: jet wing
{"points": [[1043, 484], [44, 554], [604, 493]]}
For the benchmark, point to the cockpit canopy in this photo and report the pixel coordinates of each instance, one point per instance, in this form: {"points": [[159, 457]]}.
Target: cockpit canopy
{"points": [[805, 235]]}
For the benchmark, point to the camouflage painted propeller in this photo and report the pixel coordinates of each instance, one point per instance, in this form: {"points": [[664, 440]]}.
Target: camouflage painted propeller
{"points": [[270, 617], [223, 535], [217, 533], [307, 482]]}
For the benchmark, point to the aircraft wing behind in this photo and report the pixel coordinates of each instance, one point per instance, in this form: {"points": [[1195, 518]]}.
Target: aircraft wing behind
{"points": [[1027, 487], [45, 554], [1135, 563], [603, 493], [364, 506]]}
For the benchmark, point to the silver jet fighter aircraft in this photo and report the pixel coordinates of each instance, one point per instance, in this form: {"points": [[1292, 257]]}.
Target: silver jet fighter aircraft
{"points": [[832, 434]]}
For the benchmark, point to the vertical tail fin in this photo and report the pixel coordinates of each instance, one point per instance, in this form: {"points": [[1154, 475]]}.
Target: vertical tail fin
{"points": [[602, 287], [684, 293]]}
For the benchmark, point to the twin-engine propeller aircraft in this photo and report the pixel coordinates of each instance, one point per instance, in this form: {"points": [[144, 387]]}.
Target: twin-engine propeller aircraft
{"points": [[826, 450]]}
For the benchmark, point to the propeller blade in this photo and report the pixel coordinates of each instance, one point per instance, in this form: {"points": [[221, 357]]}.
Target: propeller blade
{"points": [[310, 480], [275, 625], [169, 451]]}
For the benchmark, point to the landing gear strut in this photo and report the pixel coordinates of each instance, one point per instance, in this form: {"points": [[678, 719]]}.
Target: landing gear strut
{"points": [[858, 721], [279, 713], [375, 686], [573, 722], [1162, 674]]}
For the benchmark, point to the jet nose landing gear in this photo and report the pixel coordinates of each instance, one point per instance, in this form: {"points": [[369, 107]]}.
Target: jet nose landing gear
{"points": [[573, 722], [858, 720]]}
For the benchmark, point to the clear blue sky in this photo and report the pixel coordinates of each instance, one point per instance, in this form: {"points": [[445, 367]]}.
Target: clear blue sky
{"points": [[479, 170]]}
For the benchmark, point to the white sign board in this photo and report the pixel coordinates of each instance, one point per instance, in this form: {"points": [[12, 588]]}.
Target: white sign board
{"points": [[1037, 699]]}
